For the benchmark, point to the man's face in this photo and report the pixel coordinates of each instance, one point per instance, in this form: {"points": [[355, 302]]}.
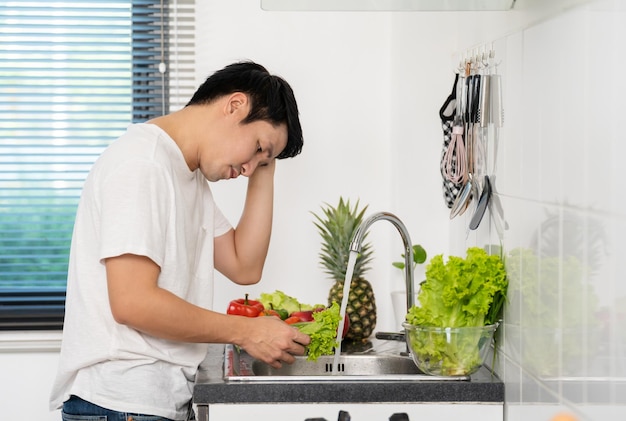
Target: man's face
{"points": [[242, 148]]}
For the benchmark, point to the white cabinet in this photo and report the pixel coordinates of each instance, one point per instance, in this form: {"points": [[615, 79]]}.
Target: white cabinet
{"points": [[358, 411]]}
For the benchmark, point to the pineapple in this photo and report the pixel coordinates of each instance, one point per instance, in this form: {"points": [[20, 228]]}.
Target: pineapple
{"points": [[337, 226]]}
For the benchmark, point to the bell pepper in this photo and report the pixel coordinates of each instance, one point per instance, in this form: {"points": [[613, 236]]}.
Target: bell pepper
{"points": [[282, 313], [245, 307]]}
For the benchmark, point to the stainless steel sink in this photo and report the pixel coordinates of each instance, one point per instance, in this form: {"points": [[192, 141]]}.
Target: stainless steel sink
{"points": [[240, 367], [348, 365]]}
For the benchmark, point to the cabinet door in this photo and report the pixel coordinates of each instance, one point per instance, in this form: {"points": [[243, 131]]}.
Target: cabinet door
{"points": [[357, 411]]}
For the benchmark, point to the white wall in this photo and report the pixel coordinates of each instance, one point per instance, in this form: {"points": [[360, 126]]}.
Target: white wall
{"points": [[339, 65], [28, 362], [559, 178]]}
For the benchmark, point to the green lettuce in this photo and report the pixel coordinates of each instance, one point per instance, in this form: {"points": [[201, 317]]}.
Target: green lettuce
{"points": [[461, 292], [279, 299], [449, 352], [323, 332], [458, 293]]}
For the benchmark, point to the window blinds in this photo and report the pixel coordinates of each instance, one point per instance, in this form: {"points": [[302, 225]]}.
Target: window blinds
{"points": [[73, 75]]}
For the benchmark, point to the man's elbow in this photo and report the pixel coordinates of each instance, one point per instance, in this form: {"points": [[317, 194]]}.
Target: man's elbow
{"points": [[251, 277], [123, 313]]}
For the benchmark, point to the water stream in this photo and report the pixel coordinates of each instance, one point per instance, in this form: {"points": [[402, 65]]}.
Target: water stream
{"points": [[342, 310]]}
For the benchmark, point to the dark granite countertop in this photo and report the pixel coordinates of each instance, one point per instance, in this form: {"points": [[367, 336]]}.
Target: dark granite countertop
{"points": [[211, 388]]}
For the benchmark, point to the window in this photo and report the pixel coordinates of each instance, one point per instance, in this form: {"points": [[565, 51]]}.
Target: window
{"points": [[73, 75]]}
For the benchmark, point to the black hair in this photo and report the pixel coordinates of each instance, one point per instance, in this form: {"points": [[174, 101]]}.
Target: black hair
{"points": [[271, 98]]}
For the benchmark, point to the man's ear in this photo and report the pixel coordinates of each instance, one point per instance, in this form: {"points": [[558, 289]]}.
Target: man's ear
{"points": [[236, 101]]}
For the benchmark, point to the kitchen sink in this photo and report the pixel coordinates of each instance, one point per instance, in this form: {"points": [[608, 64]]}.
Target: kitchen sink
{"points": [[348, 365], [240, 367]]}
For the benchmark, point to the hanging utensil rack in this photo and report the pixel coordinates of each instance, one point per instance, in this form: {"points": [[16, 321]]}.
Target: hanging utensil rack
{"points": [[478, 118]]}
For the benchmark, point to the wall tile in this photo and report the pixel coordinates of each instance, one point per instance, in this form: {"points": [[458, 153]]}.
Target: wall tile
{"points": [[559, 180]]}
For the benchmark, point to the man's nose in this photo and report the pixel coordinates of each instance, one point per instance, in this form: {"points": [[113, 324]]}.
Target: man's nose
{"points": [[248, 168]]}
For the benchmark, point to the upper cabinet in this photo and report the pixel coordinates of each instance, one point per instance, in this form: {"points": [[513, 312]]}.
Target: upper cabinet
{"points": [[387, 5]]}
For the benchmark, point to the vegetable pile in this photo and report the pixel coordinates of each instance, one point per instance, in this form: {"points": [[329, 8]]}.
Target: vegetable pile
{"points": [[458, 293], [317, 321]]}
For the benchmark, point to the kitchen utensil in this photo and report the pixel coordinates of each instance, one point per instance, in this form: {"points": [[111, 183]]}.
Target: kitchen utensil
{"points": [[470, 189], [454, 165], [465, 196], [497, 111], [485, 104], [449, 107], [483, 201], [447, 113], [454, 162], [463, 199], [498, 215]]}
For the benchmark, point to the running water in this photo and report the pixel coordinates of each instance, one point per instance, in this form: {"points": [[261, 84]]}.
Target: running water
{"points": [[342, 310]]}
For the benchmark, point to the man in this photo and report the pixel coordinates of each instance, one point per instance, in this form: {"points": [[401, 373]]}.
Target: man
{"points": [[148, 237]]}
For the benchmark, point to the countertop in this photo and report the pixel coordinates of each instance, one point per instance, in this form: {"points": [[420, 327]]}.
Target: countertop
{"points": [[210, 388]]}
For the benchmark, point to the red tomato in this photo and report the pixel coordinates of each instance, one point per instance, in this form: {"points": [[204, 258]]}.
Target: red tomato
{"points": [[305, 315]]}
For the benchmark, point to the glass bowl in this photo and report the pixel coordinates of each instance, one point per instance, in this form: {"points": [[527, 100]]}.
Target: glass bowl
{"points": [[449, 351]]}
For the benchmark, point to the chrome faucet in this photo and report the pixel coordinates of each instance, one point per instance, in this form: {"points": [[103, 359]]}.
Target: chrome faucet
{"points": [[360, 232]]}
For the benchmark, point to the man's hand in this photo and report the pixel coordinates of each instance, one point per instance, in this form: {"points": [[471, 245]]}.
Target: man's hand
{"points": [[273, 341]]}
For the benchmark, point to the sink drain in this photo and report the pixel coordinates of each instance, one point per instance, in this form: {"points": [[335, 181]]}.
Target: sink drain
{"points": [[341, 367]]}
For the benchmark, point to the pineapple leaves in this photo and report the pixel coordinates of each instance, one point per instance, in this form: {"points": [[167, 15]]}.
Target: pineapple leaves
{"points": [[336, 225]]}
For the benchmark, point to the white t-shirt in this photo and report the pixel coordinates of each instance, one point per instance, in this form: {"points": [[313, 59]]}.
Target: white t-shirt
{"points": [[140, 198]]}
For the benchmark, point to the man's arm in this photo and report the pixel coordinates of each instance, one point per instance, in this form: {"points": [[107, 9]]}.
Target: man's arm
{"points": [[240, 253], [138, 302]]}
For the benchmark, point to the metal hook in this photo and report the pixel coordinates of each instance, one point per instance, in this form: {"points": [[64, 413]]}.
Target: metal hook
{"points": [[485, 58], [461, 67]]}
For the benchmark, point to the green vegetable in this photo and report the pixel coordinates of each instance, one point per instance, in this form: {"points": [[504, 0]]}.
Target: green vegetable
{"points": [[282, 313], [323, 328], [466, 292], [323, 332], [461, 292], [280, 300]]}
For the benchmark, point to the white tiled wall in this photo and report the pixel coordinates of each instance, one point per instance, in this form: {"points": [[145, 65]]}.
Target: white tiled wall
{"points": [[560, 179]]}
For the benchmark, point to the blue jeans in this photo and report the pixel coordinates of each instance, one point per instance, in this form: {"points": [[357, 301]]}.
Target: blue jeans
{"points": [[77, 409]]}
